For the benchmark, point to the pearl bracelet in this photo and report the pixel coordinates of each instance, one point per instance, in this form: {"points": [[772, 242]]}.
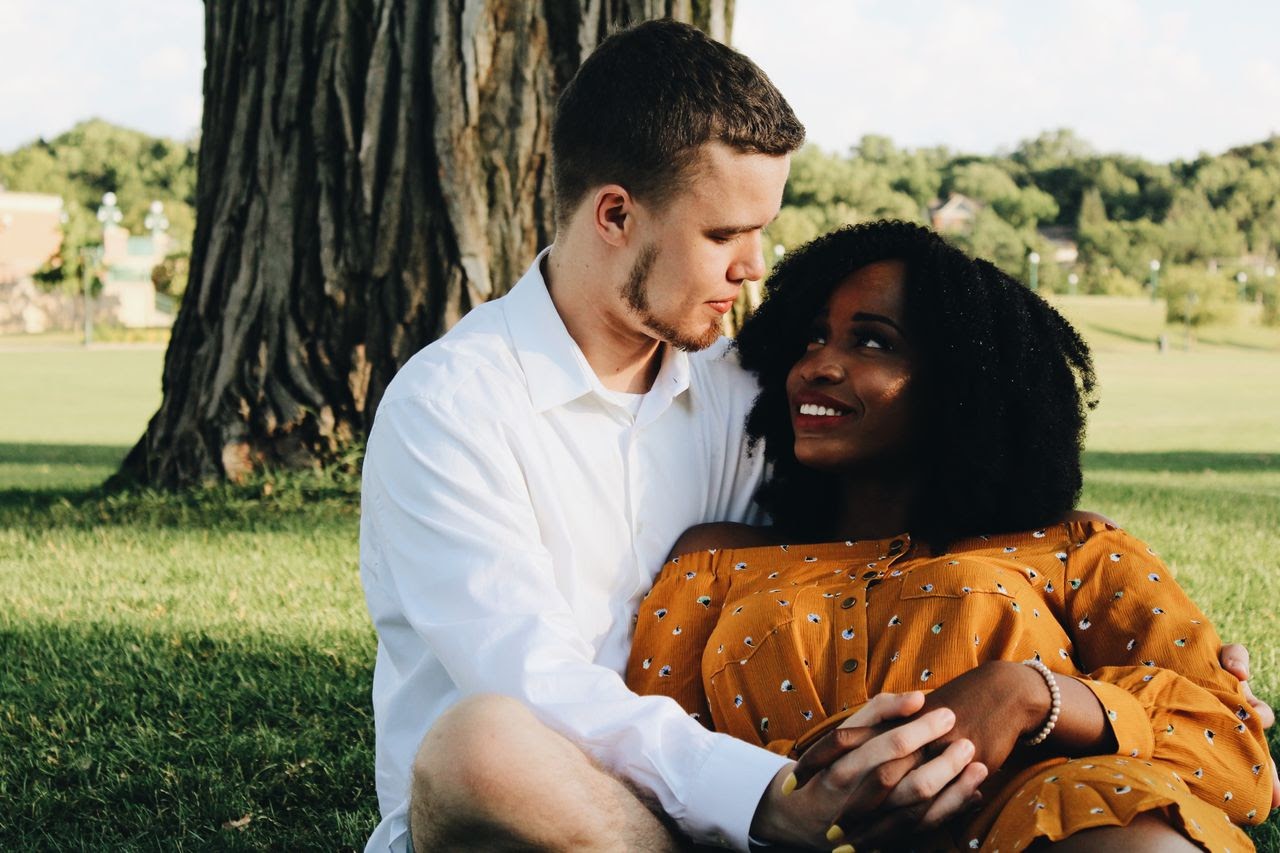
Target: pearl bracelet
{"points": [[1055, 703]]}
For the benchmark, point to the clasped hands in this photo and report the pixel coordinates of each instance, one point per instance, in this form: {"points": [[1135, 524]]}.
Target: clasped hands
{"points": [[903, 765], [891, 768]]}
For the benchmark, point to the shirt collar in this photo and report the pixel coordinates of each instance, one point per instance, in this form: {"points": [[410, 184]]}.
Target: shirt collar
{"points": [[555, 369]]}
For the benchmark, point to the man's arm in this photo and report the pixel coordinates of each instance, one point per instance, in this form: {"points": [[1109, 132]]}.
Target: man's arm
{"points": [[454, 552]]}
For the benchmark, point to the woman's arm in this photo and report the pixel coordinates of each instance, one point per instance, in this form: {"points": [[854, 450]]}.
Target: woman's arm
{"points": [[1152, 658]]}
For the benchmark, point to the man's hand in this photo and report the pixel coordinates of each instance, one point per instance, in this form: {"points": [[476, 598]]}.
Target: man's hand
{"points": [[1235, 660], [841, 787]]}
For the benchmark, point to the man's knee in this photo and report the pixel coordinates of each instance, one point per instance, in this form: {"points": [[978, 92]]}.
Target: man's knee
{"points": [[473, 746], [489, 769]]}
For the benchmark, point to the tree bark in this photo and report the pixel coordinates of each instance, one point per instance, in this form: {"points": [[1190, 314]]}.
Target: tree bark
{"points": [[369, 171]]}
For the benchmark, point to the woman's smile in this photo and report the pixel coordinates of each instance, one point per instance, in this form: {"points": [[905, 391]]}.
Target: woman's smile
{"points": [[814, 411], [850, 391]]}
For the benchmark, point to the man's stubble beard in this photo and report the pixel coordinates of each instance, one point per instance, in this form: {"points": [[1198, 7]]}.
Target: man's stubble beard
{"points": [[636, 294]]}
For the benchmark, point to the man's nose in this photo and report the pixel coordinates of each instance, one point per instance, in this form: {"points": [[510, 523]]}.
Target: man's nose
{"points": [[750, 265]]}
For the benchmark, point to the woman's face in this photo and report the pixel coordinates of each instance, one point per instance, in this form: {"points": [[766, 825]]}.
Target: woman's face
{"points": [[851, 391]]}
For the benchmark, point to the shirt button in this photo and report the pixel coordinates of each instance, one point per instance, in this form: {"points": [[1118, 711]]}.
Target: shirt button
{"points": [[850, 665], [895, 547], [848, 602]]}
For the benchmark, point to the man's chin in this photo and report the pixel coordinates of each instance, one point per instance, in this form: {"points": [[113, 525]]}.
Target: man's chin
{"points": [[685, 340]]}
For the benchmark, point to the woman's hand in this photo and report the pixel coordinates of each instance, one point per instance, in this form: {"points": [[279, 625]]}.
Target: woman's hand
{"points": [[1000, 703], [996, 704], [868, 780], [1235, 660]]}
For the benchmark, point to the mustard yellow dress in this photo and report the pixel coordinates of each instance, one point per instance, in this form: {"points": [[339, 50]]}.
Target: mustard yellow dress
{"points": [[777, 644]]}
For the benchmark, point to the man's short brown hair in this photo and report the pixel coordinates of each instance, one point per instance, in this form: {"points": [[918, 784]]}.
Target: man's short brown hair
{"points": [[644, 103]]}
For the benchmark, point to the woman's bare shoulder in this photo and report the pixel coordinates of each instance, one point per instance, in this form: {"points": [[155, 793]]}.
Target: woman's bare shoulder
{"points": [[722, 534], [1084, 515]]}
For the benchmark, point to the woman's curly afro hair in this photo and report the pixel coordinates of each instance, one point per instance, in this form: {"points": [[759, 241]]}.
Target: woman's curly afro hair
{"points": [[1001, 387]]}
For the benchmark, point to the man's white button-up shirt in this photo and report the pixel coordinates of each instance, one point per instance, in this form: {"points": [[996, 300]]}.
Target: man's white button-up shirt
{"points": [[513, 514]]}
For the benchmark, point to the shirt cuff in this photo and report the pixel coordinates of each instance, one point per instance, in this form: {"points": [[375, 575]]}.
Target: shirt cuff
{"points": [[1127, 717], [723, 799]]}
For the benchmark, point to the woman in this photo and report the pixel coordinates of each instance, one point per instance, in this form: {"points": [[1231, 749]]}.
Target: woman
{"points": [[924, 415]]}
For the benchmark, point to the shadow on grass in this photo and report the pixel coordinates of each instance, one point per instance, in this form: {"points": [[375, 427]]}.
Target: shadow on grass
{"points": [[92, 455], [269, 500], [160, 740], [1176, 338], [1123, 334], [1182, 461]]}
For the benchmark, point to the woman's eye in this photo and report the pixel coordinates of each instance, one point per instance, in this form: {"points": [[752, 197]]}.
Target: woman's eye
{"points": [[815, 340], [870, 340]]}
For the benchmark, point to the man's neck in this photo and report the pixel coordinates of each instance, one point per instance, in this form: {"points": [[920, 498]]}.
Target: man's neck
{"points": [[623, 357]]}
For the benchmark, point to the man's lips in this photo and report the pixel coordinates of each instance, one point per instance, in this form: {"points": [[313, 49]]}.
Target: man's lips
{"points": [[722, 306]]}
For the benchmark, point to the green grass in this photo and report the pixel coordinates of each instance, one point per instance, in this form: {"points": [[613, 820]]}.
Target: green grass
{"points": [[176, 664]]}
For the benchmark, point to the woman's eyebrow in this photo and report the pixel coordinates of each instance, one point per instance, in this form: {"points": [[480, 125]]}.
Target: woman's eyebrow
{"points": [[878, 318]]}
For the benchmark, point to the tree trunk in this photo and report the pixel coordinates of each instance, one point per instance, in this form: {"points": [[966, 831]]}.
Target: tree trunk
{"points": [[369, 171]]}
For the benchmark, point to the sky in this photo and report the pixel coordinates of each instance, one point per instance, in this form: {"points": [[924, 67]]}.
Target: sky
{"points": [[1162, 79]]}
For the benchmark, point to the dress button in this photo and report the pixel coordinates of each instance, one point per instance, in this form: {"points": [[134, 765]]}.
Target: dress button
{"points": [[869, 575], [850, 665], [848, 602], [895, 547], [874, 582]]}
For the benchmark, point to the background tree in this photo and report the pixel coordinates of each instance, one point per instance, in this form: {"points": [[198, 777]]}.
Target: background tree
{"points": [[368, 172]]}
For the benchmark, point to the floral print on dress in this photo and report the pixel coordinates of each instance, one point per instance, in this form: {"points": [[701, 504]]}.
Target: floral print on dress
{"points": [[1062, 589]]}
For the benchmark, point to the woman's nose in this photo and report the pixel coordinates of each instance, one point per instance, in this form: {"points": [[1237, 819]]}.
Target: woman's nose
{"points": [[822, 368]]}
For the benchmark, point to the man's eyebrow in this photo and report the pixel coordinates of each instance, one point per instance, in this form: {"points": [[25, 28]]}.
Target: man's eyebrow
{"points": [[878, 318], [732, 229]]}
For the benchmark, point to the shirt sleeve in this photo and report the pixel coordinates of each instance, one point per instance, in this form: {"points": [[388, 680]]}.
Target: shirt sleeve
{"points": [[1153, 660], [455, 553]]}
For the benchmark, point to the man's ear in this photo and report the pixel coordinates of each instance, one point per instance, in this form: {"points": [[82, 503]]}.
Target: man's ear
{"points": [[613, 214]]}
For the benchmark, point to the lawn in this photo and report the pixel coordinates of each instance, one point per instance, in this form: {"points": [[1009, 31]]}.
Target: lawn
{"points": [[192, 672]]}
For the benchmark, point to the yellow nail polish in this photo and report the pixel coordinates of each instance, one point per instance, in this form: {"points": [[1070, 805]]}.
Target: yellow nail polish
{"points": [[835, 833], [788, 784], [844, 848]]}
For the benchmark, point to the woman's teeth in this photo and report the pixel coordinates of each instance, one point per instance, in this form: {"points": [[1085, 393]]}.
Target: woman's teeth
{"points": [[821, 411]]}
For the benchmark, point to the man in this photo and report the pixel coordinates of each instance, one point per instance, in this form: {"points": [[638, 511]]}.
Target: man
{"points": [[528, 472]]}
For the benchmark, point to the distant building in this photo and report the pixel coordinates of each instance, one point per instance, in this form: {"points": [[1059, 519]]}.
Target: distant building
{"points": [[955, 215], [1061, 239], [127, 289], [30, 233]]}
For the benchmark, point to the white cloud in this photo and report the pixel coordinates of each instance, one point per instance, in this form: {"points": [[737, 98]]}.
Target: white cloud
{"points": [[1130, 75], [131, 62], [1160, 78]]}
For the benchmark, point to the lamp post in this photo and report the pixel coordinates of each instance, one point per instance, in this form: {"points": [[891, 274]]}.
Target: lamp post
{"points": [[1155, 279], [1073, 281], [157, 223], [1242, 278], [1033, 260], [1192, 299], [108, 214]]}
